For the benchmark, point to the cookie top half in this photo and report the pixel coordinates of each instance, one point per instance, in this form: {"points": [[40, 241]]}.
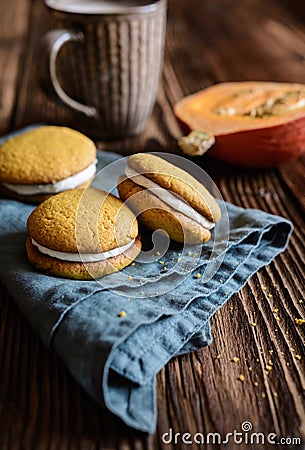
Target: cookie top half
{"points": [[82, 220], [45, 155], [178, 181]]}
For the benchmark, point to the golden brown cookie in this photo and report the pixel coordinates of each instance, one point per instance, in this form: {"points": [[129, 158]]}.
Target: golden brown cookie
{"points": [[159, 215], [82, 234], [174, 200], [45, 160], [178, 181]]}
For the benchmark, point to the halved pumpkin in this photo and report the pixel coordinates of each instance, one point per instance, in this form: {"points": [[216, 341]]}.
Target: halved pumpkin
{"points": [[255, 124]]}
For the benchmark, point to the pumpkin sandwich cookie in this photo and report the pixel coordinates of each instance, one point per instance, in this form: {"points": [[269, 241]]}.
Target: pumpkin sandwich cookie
{"points": [[45, 161], [167, 197], [82, 234]]}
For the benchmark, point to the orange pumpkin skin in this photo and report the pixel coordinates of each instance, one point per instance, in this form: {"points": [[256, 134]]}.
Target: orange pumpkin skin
{"points": [[264, 147]]}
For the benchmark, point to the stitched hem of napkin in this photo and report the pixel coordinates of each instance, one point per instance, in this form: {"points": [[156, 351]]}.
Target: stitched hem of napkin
{"points": [[65, 312], [136, 417], [126, 369], [167, 330]]}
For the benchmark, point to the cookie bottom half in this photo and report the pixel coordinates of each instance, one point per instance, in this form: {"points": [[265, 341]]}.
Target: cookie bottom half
{"points": [[79, 270]]}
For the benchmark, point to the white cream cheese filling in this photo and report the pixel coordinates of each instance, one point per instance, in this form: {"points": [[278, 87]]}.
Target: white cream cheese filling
{"points": [[83, 257], [59, 186], [169, 198]]}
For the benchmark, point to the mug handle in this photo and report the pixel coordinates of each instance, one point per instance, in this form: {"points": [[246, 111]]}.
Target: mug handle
{"points": [[51, 45]]}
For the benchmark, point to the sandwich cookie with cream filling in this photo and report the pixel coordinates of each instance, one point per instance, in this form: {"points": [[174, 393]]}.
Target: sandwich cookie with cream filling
{"points": [[45, 161], [163, 196], [82, 234]]}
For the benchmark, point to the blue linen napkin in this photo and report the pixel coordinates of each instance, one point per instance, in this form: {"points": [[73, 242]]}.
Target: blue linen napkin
{"points": [[116, 358]]}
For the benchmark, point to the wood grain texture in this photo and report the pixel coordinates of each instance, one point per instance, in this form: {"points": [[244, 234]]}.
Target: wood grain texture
{"points": [[14, 29], [41, 406]]}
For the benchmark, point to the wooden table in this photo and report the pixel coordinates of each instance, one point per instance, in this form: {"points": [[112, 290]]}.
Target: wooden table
{"points": [[41, 406]]}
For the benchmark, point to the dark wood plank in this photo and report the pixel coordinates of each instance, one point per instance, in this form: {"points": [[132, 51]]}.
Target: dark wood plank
{"points": [[13, 35], [41, 406]]}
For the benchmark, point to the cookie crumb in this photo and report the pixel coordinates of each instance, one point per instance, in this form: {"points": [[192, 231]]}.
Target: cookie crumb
{"points": [[197, 275], [235, 359], [299, 321], [299, 357], [122, 313], [241, 377], [263, 395], [129, 277]]}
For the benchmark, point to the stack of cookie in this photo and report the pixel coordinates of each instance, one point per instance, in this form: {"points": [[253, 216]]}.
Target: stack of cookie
{"points": [[83, 233], [167, 197]]}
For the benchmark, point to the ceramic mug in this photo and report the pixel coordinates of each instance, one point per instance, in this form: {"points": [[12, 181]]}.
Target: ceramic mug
{"points": [[109, 73]]}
